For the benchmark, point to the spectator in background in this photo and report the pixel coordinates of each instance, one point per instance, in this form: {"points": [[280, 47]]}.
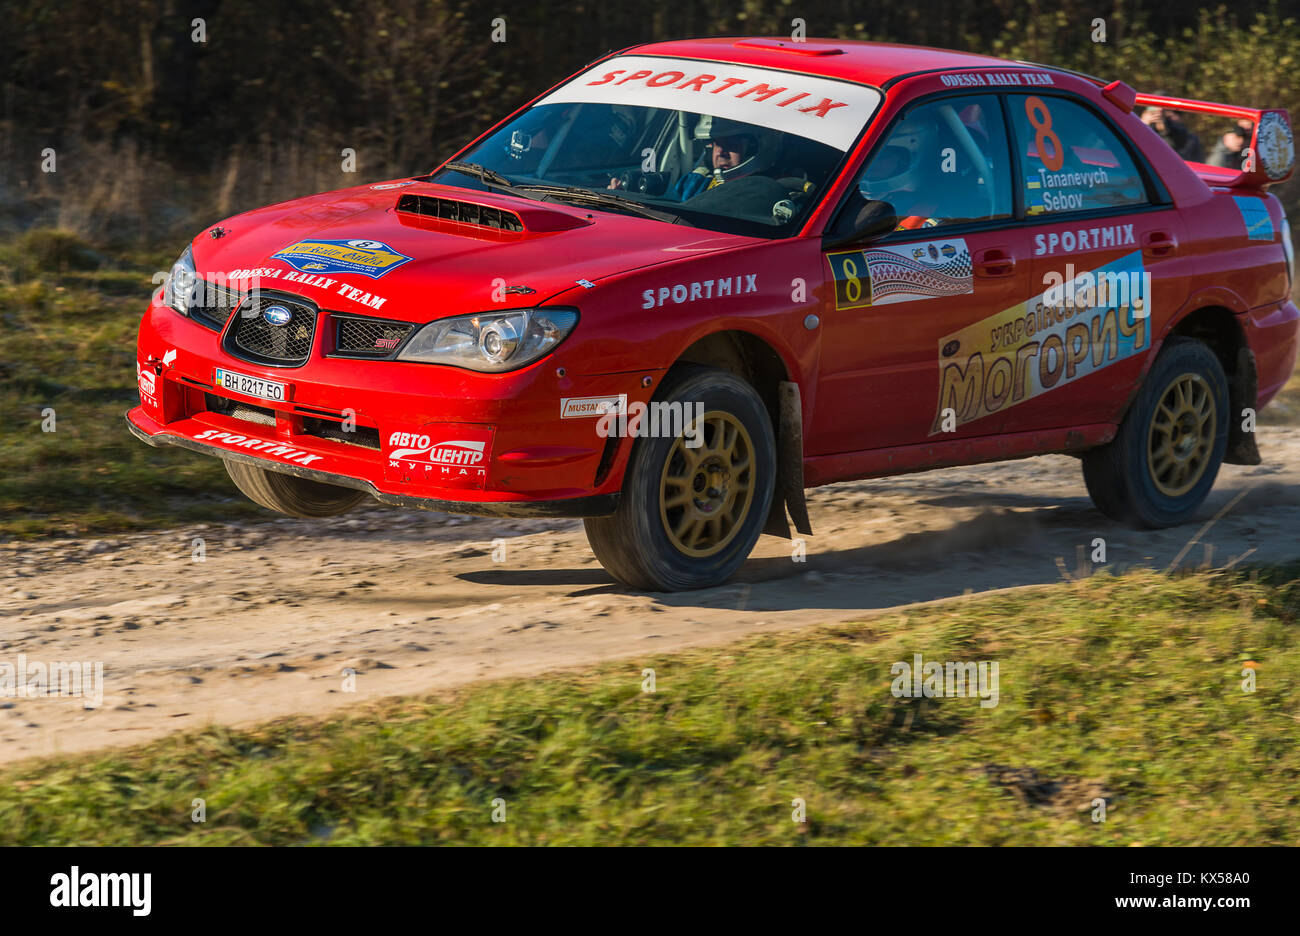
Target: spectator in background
{"points": [[1177, 134], [1230, 151]]}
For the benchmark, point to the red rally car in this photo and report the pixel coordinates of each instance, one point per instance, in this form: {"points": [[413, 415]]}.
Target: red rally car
{"points": [[700, 276]]}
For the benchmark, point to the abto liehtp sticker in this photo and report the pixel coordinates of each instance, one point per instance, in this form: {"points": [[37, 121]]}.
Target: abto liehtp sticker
{"points": [[367, 257], [442, 454]]}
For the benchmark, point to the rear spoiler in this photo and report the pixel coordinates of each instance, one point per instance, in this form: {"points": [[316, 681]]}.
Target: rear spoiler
{"points": [[1271, 156]]}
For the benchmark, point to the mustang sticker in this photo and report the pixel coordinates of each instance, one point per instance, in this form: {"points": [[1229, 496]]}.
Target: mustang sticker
{"points": [[1067, 332], [880, 275], [580, 407], [366, 257]]}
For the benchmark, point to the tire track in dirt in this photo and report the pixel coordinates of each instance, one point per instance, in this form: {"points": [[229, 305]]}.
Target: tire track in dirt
{"points": [[414, 602]]}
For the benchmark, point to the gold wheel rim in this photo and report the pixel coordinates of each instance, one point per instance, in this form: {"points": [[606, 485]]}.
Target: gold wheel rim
{"points": [[705, 493], [1182, 434]]}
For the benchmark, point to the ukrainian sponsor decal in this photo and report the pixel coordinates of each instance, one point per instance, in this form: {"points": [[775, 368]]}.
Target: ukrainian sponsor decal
{"points": [[881, 275], [1254, 214], [1074, 328], [830, 112], [455, 456], [582, 407], [258, 446], [365, 257]]}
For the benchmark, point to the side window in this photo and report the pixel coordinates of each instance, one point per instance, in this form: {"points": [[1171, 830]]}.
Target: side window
{"points": [[1069, 159], [942, 162]]}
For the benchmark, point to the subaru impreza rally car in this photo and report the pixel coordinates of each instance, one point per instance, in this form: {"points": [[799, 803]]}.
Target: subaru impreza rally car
{"points": [[699, 277]]}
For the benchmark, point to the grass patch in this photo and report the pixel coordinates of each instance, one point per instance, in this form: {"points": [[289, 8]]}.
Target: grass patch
{"points": [[69, 319], [1124, 688]]}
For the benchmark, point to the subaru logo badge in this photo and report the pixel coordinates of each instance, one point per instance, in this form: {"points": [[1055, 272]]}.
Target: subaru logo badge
{"points": [[277, 315]]}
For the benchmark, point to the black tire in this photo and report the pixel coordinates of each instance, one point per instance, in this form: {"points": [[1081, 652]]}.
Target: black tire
{"points": [[637, 544], [1138, 479], [291, 495]]}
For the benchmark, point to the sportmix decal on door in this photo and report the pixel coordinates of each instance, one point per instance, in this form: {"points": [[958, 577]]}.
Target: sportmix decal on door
{"points": [[880, 275], [260, 446], [1095, 319], [821, 109], [445, 455], [366, 257], [1254, 214]]}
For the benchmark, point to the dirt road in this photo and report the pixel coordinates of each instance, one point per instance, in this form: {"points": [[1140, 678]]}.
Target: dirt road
{"points": [[265, 625]]}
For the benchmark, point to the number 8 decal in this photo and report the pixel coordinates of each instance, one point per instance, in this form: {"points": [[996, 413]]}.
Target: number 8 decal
{"points": [[1040, 118]]}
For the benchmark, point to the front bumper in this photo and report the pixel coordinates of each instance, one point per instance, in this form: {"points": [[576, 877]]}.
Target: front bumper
{"points": [[596, 505], [410, 434]]}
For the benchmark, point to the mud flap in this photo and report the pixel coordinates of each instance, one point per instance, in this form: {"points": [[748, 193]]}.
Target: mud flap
{"points": [[788, 495], [1243, 393]]}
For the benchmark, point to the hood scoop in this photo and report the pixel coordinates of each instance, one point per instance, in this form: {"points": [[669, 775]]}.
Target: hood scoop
{"points": [[484, 220]]}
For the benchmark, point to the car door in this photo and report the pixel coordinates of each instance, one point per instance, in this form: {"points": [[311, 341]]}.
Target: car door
{"points": [[1100, 245], [954, 257]]}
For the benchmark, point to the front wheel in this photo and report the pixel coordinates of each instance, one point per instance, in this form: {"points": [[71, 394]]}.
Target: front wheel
{"points": [[691, 513], [291, 495], [1163, 461]]}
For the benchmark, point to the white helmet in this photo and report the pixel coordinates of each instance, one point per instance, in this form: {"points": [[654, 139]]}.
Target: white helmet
{"points": [[898, 165]]}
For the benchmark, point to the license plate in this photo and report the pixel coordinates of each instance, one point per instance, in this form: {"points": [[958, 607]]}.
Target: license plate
{"points": [[250, 386]]}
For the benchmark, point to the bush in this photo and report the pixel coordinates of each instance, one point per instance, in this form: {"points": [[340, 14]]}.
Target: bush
{"points": [[50, 250]]}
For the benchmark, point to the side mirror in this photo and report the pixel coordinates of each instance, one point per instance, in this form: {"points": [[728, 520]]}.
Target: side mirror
{"points": [[874, 219]]}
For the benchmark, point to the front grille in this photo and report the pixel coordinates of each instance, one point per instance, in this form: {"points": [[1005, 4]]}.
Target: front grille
{"points": [[213, 305], [369, 337], [325, 429], [257, 336], [445, 209], [237, 410]]}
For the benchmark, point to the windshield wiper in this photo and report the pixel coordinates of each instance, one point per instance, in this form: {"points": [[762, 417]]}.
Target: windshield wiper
{"points": [[607, 199], [490, 176]]}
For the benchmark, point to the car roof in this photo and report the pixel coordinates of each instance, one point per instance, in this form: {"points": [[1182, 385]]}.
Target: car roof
{"points": [[873, 63]]}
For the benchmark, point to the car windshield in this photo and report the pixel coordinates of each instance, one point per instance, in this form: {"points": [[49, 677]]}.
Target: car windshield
{"points": [[728, 148]]}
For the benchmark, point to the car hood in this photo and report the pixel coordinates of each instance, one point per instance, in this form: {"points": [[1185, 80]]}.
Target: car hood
{"points": [[416, 267]]}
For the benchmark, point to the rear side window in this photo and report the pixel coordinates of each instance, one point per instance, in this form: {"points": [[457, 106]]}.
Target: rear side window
{"points": [[1069, 159]]}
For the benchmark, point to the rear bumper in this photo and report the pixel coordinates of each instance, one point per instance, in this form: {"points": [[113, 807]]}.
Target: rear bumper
{"points": [[1273, 335], [595, 505]]}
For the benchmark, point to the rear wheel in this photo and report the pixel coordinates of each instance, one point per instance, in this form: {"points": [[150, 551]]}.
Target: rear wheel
{"points": [[690, 515], [1163, 461], [291, 495]]}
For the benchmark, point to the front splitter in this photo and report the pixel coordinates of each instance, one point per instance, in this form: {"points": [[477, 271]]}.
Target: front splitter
{"points": [[594, 505]]}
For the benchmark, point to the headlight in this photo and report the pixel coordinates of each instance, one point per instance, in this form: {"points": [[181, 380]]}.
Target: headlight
{"points": [[178, 291], [491, 341]]}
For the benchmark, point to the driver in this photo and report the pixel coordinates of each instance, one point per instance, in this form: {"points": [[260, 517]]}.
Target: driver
{"points": [[734, 150]]}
